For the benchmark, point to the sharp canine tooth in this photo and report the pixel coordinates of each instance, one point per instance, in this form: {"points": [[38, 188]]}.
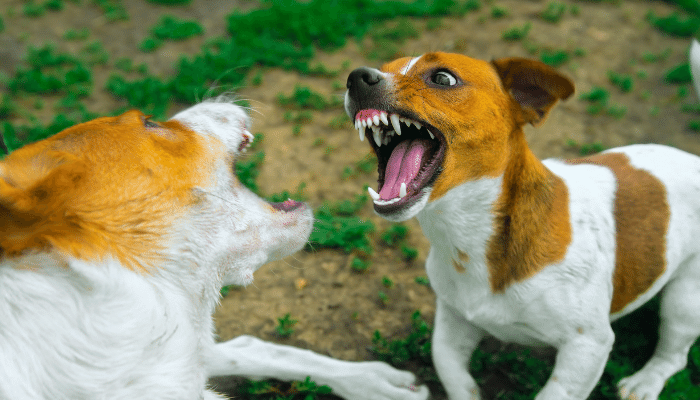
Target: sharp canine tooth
{"points": [[402, 190], [395, 123], [382, 116], [431, 134], [374, 195], [377, 136], [361, 129]]}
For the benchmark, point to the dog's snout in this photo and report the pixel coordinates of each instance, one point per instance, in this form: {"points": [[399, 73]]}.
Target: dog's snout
{"points": [[363, 77]]}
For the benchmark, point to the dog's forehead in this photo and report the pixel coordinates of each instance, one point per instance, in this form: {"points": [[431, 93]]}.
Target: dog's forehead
{"points": [[469, 69]]}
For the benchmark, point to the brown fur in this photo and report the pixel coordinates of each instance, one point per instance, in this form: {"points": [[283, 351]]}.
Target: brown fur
{"points": [[60, 192], [532, 227], [641, 217]]}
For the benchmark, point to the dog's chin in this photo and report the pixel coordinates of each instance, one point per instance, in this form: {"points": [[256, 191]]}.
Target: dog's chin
{"points": [[405, 211]]}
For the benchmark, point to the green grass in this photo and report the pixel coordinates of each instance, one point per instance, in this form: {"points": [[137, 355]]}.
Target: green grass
{"points": [[305, 98], [523, 375], [336, 226], [517, 32], [554, 12], [623, 81], [285, 325], [679, 74], [275, 390], [675, 24]]}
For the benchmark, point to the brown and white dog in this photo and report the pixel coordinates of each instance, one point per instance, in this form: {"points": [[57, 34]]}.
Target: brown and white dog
{"points": [[529, 251], [117, 235]]}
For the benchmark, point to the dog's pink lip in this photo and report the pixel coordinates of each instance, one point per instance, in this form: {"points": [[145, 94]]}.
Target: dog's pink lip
{"points": [[288, 205]]}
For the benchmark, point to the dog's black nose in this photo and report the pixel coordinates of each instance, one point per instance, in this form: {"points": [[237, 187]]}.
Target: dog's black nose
{"points": [[365, 83], [363, 76]]}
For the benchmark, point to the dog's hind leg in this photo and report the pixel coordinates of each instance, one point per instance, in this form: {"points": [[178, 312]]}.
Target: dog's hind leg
{"points": [[679, 328], [251, 357]]}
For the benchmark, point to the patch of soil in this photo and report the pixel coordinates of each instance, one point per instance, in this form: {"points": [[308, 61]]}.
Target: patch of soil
{"points": [[338, 310]]}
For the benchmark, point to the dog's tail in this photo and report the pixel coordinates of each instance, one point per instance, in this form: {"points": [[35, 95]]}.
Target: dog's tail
{"points": [[694, 60]]}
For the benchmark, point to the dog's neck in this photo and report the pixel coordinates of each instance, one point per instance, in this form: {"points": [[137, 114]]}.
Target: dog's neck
{"points": [[129, 325], [485, 218]]}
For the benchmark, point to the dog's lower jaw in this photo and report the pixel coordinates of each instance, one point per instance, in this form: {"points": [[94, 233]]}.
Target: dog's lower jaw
{"points": [[407, 212]]}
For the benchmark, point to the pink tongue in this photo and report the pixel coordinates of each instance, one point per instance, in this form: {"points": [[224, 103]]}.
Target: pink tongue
{"points": [[403, 166]]}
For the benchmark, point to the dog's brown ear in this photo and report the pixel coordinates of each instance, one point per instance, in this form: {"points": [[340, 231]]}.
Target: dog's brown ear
{"points": [[534, 85], [32, 208]]}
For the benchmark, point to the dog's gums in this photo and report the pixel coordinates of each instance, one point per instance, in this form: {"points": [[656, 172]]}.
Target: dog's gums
{"points": [[409, 154]]}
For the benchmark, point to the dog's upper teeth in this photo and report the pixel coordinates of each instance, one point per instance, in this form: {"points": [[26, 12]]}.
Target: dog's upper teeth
{"points": [[361, 129], [395, 123], [376, 120], [382, 116]]}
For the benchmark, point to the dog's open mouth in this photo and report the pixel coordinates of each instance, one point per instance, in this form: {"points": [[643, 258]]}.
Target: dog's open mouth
{"points": [[409, 153], [287, 205]]}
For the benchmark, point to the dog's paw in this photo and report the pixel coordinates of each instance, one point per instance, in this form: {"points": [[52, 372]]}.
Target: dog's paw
{"points": [[640, 387], [378, 381]]}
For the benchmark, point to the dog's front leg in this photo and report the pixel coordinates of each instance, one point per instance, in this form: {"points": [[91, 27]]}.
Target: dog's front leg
{"points": [[454, 341], [579, 364], [251, 357]]}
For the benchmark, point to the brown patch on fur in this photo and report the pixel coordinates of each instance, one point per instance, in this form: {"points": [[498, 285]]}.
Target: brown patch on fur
{"points": [[109, 187], [641, 217], [532, 226], [458, 267]]}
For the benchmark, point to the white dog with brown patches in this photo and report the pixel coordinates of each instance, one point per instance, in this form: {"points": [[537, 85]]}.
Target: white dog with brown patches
{"points": [[538, 253], [117, 235]]}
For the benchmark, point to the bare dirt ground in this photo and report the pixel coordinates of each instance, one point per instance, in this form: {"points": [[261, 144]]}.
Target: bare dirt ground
{"points": [[338, 310]]}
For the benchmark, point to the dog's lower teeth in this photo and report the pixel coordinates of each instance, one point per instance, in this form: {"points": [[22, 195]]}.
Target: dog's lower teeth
{"points": [[374, 195], [402, 190]]}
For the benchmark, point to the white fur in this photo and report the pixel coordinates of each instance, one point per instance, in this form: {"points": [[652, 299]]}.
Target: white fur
{"points": [[82, 329], [566, 305], [409, 65]]}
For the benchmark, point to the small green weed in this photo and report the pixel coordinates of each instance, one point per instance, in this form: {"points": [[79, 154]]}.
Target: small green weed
{"points": [[499, 12], [554, 12], [517, 32], [305, 98], [383, 297], [284, 326], [387, 282], [409, 253], [359, 265], [172, 28], [394, 234], [555, 58], [622, 81], [113, 9], [73, 34], [679, 74], [150, 44], [586, 148], [656, 57], [675, 25], [422, 280], [336, 226], [415, 346], [275, 390], [171, 2]]}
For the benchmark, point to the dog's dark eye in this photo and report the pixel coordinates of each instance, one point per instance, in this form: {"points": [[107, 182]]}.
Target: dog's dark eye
{"points": [[150, 124], [443, 78]]}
